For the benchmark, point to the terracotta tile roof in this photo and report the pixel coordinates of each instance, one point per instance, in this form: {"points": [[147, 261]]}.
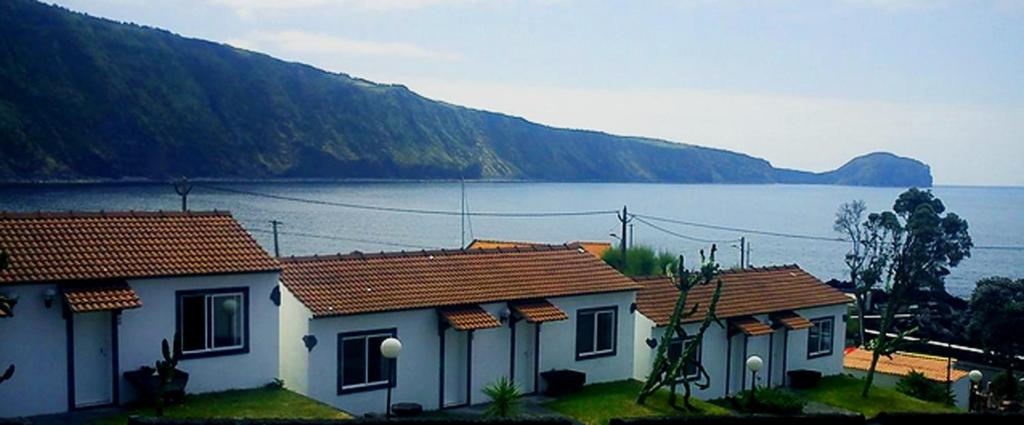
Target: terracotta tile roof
{"points": [[750, 326], [469, 317], [792, 320], [117, 295], [744, 293], [596, 248], [902, 363], [56, 247], [537, 311], [364, 283]]}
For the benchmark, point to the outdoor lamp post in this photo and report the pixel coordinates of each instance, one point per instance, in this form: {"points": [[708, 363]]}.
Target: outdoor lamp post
{"points": [[975, 377], [390, 349], [754, 364]]}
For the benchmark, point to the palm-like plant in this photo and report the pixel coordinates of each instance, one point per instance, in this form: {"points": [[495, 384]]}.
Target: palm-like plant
{"points": [[504, 395]]}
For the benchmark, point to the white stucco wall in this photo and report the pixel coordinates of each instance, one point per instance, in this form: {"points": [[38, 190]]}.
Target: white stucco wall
{"points": [[35, 342], [417, 374], [294, 357], [143, 329], [715, 346]]}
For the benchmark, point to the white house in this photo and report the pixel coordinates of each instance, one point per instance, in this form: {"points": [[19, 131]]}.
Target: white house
{"points": [[464, 317], [98, 292], [783, 314], [891, 369]]}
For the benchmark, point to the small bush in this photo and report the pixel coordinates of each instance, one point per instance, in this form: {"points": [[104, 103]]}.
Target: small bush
{"points": [[504, 396], [1004, 386], [768, 400], [918, 386]]}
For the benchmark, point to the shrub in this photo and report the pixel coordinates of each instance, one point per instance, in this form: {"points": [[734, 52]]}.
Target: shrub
{"points": [[1004, 386], [768, 400], [504, 395], [918, 386], [641, 261]]}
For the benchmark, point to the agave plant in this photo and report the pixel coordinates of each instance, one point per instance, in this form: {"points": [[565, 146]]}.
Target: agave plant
{"points": [[504, 395]]}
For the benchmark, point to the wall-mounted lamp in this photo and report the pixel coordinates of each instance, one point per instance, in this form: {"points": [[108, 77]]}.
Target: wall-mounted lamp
{"points": [[651, 342], [632, 308], [504, 314], [48, 296], [309, 341], [275, 295]]}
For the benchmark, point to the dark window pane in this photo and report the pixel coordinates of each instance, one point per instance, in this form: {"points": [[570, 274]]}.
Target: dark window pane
{"points": [[353, 361], [690, 368], [675, 349], [605, 331], [376, 364], [826, 335], [227, 321], [193, 323], [585, 333]]}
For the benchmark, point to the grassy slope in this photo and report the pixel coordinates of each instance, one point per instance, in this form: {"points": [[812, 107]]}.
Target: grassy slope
{"points": [[259, 403], [844, 392], [598, 403]]}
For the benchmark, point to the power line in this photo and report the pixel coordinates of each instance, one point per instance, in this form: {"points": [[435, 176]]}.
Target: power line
{"points": [[343, 239], [412, 210], [741, 230], [999, 248], [679, 235]]}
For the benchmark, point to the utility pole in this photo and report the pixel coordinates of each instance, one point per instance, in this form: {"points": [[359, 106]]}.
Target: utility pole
{"points": [[462, 216], [748, 254], [277, 251], [182, 188], [624, 219], [743, 252], [632, 234]]}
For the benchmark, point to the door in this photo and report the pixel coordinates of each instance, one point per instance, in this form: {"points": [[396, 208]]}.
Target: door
{"points": [[94, 365], [525, 347], [455, 367]]}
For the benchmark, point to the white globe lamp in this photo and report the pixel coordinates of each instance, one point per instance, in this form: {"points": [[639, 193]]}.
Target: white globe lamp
{"points": [[390, 348]]}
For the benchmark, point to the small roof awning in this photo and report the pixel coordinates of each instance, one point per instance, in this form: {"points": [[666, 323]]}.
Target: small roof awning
{"points": [[468, 317], [791, 320], [116, 295], [750, 326], [538, 311]]}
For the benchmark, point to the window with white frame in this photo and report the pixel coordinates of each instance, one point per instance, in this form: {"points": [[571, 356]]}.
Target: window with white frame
{"points": [[820, 336], [596, 332], [213, 322], [675, 351], [361, 366]]}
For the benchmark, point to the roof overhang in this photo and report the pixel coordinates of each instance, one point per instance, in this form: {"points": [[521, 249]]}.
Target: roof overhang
{"points": [[538, 311], [790, 320], [750, 326], [102, 296], [468, 317]]}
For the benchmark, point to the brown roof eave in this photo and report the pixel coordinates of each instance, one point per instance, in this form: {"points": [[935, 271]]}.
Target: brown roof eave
{"points": [[57, 281]]}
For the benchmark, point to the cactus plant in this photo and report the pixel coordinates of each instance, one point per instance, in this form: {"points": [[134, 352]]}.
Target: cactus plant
{"points": [[165, 369]]}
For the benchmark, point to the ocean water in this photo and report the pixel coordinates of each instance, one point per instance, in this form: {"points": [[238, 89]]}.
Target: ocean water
{"points": [[995, 215]]}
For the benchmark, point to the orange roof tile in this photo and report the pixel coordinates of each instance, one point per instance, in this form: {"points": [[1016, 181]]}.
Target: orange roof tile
{"points": [[792, 320], [596, 248], [60, 247], [902, 363], [744, 293], [750, 326], [538, 311], [364, 283], [117, 295], [469, 317]]}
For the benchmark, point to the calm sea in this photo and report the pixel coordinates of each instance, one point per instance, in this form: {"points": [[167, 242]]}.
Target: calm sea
{"points": [[995, 216]]}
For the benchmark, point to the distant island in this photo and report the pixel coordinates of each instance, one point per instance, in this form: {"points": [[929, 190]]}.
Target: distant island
{"points": [[90, 98]]}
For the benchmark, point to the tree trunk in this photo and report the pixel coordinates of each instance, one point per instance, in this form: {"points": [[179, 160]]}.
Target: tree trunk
{"points": [[861, 311]]}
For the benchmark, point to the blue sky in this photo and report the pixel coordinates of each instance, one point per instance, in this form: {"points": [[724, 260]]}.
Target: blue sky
{"points": [[803, 84]]}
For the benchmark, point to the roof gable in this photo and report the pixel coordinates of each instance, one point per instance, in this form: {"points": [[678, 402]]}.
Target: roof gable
{"points": [[744, 292], [364, 283], [61, 247]]}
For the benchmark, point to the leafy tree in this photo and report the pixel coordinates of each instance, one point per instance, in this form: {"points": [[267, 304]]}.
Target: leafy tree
{"points": [[867, 257], [641, 260], [921, 243], [667, 371], [997, 318]]}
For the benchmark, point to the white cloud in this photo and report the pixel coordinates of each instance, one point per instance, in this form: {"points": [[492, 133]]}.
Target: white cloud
{"points": [[964, 144], [298, 45]]}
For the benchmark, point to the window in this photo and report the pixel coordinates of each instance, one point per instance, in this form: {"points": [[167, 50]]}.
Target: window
{"points": [[819, 337], [676, 348], [596, 332], [361, 366], [213, 322]]}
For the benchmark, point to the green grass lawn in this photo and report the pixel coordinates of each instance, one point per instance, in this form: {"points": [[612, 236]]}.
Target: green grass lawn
{"points": [[843, 391], [262, 403], [596, 404]]}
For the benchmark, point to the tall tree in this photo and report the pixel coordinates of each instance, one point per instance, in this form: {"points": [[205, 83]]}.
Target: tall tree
{"points": [[922, 243], [867, 256], [997, 317], [668, 371]]}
